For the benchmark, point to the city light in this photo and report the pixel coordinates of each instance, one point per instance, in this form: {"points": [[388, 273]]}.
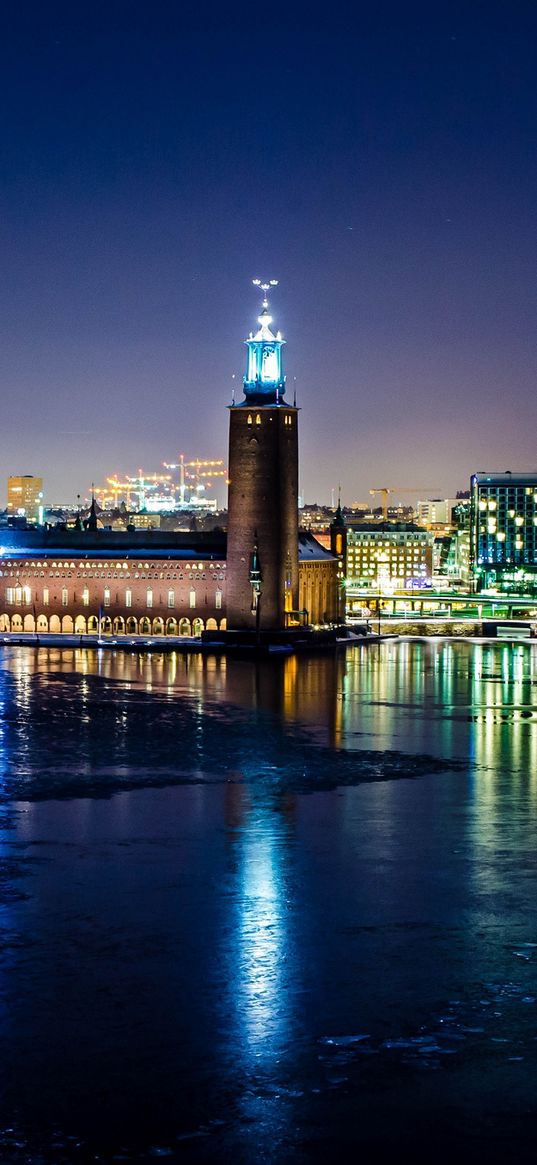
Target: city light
{"points": [[156, 493]]}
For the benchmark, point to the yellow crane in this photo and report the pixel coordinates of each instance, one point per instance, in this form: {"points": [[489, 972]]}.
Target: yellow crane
{"points": [[385, 490]]}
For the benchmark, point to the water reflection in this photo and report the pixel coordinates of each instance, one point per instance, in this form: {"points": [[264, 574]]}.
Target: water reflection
{"points": [[82, 720], [345, 846], [260, 952]]}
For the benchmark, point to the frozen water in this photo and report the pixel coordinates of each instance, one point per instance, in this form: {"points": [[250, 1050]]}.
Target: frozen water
{"points": [[342, 1041], [206, 865]]}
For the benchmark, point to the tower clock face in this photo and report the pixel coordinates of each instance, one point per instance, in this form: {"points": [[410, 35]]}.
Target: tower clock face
{"points": [[269, 369]]}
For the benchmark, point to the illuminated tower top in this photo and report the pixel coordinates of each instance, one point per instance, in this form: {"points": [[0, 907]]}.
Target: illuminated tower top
{"points": [[264, 382]]}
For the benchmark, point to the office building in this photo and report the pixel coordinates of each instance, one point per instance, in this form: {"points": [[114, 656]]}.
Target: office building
{"points": [[389, 556], [503, 532], [436, 512], [25, 497]]}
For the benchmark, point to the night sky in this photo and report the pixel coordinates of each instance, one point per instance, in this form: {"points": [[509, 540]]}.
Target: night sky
{"points": [[378, 159]]}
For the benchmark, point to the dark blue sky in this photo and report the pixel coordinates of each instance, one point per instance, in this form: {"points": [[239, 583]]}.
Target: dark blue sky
{"points": [[379, 160]]}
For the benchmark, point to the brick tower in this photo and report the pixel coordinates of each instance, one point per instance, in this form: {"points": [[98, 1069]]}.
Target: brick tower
{"points": [[262, 547]]}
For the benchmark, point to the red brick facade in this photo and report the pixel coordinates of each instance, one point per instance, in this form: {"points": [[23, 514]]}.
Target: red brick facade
{"points": [[133, 594]]}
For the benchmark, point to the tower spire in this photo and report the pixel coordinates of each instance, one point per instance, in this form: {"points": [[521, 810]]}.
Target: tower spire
{"points": [[264, 382], [265, 287]]}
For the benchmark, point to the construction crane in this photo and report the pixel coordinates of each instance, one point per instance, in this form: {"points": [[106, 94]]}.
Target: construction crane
{"points": [[131, 490], [201, 469], [385, 490]]}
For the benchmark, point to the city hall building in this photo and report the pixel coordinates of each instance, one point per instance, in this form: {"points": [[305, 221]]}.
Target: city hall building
{"points": [[262, 577]]}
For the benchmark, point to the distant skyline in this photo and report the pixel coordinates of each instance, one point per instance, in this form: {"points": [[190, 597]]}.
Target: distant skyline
{"points": [[380, 164]]}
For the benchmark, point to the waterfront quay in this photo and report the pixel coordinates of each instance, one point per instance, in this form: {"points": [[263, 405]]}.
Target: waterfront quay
{"points": [[429, 612], [307, 639], [357, 632]]}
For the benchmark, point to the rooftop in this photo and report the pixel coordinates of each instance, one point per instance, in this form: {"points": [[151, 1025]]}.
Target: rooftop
{"points": [[183, 545], [310, 550], [386, 527], [505, 478]]}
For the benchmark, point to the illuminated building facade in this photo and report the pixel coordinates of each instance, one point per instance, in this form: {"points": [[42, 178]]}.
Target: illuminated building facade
{"points": [[144, 521], [66, 581], [25, 497], [436, 512], [389, 555], [318, 583], [503, 532]]}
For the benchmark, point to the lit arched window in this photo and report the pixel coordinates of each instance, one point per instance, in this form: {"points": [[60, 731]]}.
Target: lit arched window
{"points": [[249, 418]]}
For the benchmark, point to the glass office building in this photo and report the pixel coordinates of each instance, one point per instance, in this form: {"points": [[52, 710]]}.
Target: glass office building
{"points": [[504, 532]]}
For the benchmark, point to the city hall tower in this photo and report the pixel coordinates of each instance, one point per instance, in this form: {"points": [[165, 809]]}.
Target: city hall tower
{"points": [[262, 547]]}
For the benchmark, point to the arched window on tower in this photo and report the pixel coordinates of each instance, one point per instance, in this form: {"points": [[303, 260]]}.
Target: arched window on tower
{"points": [[258, 419], [249, 418]]}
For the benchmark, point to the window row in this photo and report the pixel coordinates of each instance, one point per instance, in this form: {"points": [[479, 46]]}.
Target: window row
{"points": [[22, 596], [118, 566]]}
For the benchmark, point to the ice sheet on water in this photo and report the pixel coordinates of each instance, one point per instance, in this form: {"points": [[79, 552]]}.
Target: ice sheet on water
{"points": [[448, 1033], [500, 992], [460, 1027], [127, 738], [193, 1135], [418, 1043], [343, 1041]]}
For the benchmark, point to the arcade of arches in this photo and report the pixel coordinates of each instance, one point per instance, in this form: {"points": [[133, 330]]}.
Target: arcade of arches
{"points": [[80, 625]]}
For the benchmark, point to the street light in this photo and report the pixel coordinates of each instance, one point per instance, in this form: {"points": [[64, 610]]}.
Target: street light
{"points": [[256, 581]]}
